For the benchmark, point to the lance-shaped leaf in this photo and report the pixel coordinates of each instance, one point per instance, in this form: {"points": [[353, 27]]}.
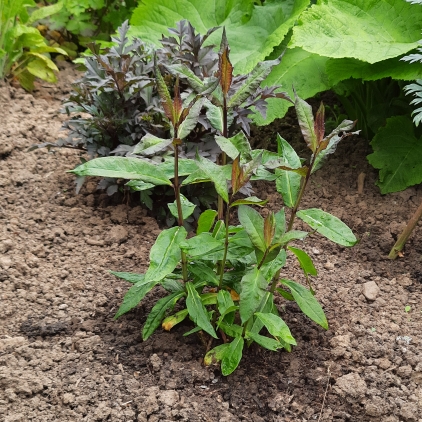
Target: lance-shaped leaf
{"points": [[183, 71], [252, 83], [215, 116], [263, 341], [305, 261], [191, 119], [225, 302], [151, 144], [130, 277], [252, 200], [157, 313], [292, 235], [165, 96], [139, 185], [280, 225], [319, 125], [123, 168], [206, 221], [197, 310], [165, 253], [216, 354], [227, 146], [253, 290], [236, 175], [187, 207], [200, 272], [225, 68], [255, 325], [288, 182], [174, 319], [276, 327], [269, 269], [306, 122], [216, 175], [241, 142], [253, 223], [269, 229], [202, 244], [307, 302], [232, 356], [134, 295], [329, 226]]}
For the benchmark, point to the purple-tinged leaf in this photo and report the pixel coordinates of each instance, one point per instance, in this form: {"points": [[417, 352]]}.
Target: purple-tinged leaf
{"points": [[319, 125], [224, 65], [306, 122]]}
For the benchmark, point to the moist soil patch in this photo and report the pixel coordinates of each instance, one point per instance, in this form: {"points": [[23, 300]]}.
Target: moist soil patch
{"points": [[64, 358]]}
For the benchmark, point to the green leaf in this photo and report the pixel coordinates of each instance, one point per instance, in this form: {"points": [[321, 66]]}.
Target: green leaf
{"points": [[301, 69], [255, 325], [172, 285], [266, 342], [139, 185], [288, 182], [183, 71], [306, 122], [203, 273], [150, 145], [40, 69], [253, 223], [307, 302], [240, 246], [197, 310], [124, 168], [206, 221], [232, 356], [367, 30], [292, 235], [191, 120], [134, 295], [285, 294], [397, 154], [202, 244], [252, 31], [130, 277], [241, 142], [216, 175], [280, 225], [44, 12], [227, 146], [253, 290], [157, 313], [208, 298], [329, 226], [174, 319], [232, 330], [165, 253], [216, 354], [276, 327], [224, 301], [215, 116], [269, 270], [305, 261], [187, 207], [252, 200]]}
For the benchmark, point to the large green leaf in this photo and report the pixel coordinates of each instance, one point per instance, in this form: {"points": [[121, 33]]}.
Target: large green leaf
{"points": [[329, 226], [263, 341], [253, 290], [307, 302], [368, 30], [206, 221], [197, 310], [299, 69], [187, 207], [252, 31], [288, 182], [253, 223], [201, 244], [191, 120], [157, 313], [232, 356], [130, 277], [150, 144], [269, 270], [397, 154], [305, 261], [134, 295], [276, 327], [165, 253], [124, 168]]}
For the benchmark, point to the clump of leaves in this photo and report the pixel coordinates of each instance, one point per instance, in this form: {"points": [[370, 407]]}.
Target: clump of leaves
{"points": [[24, 53], [228, 276]]}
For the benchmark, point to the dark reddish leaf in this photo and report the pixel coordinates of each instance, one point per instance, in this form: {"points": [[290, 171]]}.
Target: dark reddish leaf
{"points": [[177, 102], [319, 125], [165, 97], [224, 65], [269, 229], [236, 175]]}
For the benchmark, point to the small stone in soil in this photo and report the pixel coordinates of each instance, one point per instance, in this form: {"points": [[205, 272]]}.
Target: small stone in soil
{"points": [[370, 290]]}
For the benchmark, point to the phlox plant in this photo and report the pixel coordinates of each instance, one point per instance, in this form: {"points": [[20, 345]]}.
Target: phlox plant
{"points": [[225, 277]]}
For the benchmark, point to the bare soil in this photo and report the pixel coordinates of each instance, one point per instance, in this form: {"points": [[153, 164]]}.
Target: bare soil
{"points": [[64, 358]]}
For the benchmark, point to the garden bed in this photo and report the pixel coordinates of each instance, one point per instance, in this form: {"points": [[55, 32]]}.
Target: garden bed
{"points": [[64, 358]]}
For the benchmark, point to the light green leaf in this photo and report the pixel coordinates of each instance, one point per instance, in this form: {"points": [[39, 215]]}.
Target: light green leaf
{"points": [[241, 142], [157, 313], [201, 244], [216, 175], [139, 185], [367, 30], [44, 11], [216, 354], [191, 120], [184, 72], [232, 356], [255, 325], [130, 277], [276, 327], [197, 310], [329, 226], [150, 145], [269, 269], [208, 298], [266, 342], [280, 225], [40, 69], [215, 116], [305, 261], [397, 154], [307, 302], [252, 200], [253, 223], [187, 207], [134, 295], [252, 31], [288, 182], [165, 253], [227, 147], [206, 221], [292, 235], [124, 168], [253, 290]]}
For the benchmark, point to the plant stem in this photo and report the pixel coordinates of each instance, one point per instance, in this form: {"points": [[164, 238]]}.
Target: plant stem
{"points": [[399, 245], [176, 186], [223, 157]]}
